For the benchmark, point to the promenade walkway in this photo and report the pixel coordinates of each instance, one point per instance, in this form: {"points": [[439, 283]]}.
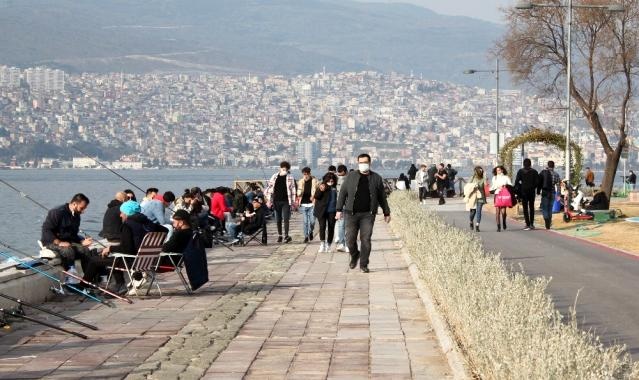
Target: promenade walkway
{"points": [[280, 311], [605, 279]]}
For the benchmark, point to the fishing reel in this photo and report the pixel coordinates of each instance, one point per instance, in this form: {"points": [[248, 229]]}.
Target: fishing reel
{"points": [[16, 311]]}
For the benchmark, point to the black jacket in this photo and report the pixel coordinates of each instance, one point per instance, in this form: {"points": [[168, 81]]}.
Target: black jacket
{"points": [[256, 222], [321, 200], [526, 181], [62, 225], [178, 241], [133, 231], [111, 222], [349, 189]]}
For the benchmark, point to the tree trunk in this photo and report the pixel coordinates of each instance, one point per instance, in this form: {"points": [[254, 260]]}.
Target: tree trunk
{"points": [[612, 162]]}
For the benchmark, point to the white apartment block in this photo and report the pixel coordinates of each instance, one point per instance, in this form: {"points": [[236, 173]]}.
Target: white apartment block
{"points": [[10, 76], [42, 79]]}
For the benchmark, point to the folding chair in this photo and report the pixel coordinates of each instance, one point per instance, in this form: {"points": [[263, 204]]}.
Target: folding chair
{"points": [[254, 236], [217, 231], [146, 260], [176, 265]]}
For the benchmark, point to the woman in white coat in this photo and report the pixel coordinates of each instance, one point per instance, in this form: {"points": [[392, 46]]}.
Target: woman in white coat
{"points": [[498, 184]]}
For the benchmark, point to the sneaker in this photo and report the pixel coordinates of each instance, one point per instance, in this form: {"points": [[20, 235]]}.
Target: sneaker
{"points": [[279, 239], [287, 239], [322, 248], [532, 227], [137, 285], [527, 228], [310, 236], [341, 248], [305, 240]]}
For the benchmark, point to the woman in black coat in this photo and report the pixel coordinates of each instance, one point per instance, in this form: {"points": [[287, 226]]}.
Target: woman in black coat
{"points": [[325, 209]]}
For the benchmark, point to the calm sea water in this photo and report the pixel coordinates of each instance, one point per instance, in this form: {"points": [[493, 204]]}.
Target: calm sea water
{"points": [[23, 219]]}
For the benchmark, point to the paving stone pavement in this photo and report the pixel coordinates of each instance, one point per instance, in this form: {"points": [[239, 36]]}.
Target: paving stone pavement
{"points": [[279, 311]]}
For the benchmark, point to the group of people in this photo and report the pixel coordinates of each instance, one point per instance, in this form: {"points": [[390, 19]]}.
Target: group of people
{"points": [[528, 184], [436, 180], [341, 201], [344, 201], [61, 234]]}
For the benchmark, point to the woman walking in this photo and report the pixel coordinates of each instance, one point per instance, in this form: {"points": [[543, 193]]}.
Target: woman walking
{"points": [[475, 197], [325, 209], [498, 186]]}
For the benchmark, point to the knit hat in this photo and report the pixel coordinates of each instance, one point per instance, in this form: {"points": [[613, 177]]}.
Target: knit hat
{"points": [[129, 208]]}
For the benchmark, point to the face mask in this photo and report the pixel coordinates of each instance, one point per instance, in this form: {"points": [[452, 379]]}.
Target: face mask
{"points": [[363, 168]]}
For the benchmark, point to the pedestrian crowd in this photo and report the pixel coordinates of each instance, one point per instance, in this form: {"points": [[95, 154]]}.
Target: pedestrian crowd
{"points": [[344, 204]]}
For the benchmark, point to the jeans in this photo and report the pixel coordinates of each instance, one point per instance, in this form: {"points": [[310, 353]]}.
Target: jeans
{"points": [[362, 223], [528, 203], [340, 226], [282, 213], [546, 205], [328, 219], [422, 193], [68, 255], [308, 224], [475, 213]]}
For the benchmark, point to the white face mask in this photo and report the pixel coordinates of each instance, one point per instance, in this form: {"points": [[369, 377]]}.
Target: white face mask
{"points": [[363, 167]]}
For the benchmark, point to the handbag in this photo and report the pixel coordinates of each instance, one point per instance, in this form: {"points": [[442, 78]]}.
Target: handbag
{"points": [[503, 198]]}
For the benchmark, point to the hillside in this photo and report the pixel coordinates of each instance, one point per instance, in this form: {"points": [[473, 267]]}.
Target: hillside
{"points": [[279, 36]]}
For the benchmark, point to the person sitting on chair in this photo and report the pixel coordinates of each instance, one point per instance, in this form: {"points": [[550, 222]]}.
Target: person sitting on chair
{"points": [[250, 222], [599, 202]]}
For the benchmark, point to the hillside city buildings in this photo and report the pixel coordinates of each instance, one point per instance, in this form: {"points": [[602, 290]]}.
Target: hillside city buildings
{"points": [[252, 121]]}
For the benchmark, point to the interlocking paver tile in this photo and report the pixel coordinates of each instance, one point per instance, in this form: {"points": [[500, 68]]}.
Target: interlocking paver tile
{"points": [[275, 311]]}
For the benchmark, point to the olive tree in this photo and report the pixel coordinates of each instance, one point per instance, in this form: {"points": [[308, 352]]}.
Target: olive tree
{"points": [[605, 58]]}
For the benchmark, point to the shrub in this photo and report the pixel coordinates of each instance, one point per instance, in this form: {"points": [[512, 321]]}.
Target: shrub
{"points": [[504, 321]]}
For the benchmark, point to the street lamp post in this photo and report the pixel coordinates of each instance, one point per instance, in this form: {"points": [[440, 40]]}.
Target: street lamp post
{"points": [[496, 71], [569, 6]]}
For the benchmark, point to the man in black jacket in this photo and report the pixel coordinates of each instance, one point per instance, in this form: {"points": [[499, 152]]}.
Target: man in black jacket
{"points": [[61, 228], [359, 198], [525, 186], [111, 222]]}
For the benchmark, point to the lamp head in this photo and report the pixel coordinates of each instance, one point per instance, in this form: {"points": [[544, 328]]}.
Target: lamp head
{"points": [[616, 8], [521, 5]]}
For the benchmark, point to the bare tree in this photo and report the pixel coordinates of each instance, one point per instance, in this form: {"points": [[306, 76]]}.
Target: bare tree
{"points": [[605, 59]]}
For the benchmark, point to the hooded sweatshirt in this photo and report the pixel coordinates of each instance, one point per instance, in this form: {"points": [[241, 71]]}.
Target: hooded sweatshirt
{"points": [[111, 222]]}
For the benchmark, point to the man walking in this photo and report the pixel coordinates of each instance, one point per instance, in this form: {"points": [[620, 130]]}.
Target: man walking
{"points": [[546, 186], [525, 185], [422, 183], [305, 201], [280, 193], [361, 194]]}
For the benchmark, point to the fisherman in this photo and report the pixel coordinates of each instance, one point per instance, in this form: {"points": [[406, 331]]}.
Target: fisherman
{"points": [[111, 222], [154, 209], [61, 228]]}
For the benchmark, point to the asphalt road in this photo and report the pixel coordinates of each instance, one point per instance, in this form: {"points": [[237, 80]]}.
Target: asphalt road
{"points": [[607, 280]]}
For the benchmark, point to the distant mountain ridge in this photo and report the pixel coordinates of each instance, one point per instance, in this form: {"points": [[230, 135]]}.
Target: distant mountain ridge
{"points": [[278, 36]]}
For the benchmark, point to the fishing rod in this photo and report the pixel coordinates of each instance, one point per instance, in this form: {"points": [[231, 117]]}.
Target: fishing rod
{"points": [[20, 314], [75, 276], [25, 195], [53, 278], [42, 309], [109, 169]]}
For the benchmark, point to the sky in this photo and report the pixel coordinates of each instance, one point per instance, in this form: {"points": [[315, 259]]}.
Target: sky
{"points": [[482, 9]]}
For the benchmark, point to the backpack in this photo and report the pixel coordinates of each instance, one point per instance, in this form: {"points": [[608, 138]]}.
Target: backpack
{"points": [[195, 261]]}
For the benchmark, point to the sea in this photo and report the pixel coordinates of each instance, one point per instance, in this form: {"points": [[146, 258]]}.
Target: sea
{"points": [[22, 219]]}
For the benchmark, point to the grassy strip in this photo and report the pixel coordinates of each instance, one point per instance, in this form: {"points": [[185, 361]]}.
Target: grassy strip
{"points": [[504, 321]]}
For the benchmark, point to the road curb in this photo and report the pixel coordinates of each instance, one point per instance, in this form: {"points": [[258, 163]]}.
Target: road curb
{"points": [[451, 349]]}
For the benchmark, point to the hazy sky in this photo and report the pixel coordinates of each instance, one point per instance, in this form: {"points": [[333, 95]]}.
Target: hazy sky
{"points": [[482, 9]]}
